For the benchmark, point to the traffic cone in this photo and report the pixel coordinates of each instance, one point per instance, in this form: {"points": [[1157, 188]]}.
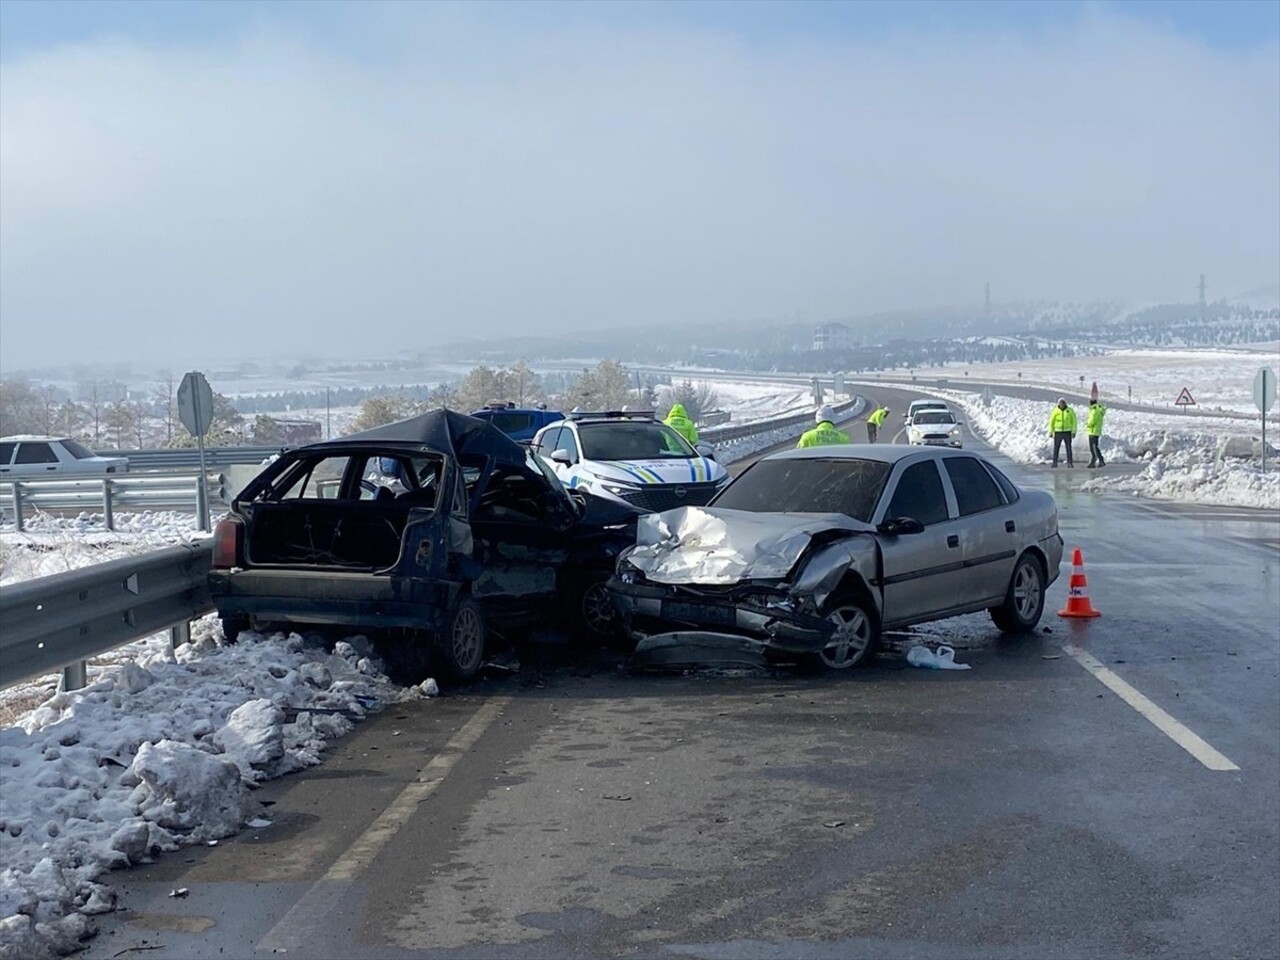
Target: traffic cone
{"points": [[1078, 604]]}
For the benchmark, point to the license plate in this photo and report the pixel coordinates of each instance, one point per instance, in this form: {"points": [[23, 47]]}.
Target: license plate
{"points": [[699, 613]]}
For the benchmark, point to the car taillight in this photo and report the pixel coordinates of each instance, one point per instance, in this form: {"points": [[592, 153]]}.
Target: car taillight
{"points": [[226, 543]]}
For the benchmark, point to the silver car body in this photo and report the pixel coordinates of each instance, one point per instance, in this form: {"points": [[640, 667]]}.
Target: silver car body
{"points": [[959, 563]]}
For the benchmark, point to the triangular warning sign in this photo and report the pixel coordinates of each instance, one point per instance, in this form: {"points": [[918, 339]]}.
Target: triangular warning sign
{"points": [[1185, 399]]}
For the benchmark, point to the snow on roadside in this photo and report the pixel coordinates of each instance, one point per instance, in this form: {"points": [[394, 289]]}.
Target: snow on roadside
{"points": [[159, 752], [50, 544], [1196, 459]]}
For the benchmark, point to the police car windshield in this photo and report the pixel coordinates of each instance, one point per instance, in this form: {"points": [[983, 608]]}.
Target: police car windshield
{"points": [[632, 440]]}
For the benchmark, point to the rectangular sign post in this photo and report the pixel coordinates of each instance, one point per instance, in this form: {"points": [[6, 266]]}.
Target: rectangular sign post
{"points": [[1264, 397], [195, 410]]}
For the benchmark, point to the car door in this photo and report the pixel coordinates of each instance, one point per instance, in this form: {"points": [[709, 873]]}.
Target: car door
{"points": [[923, 572], [35, 459], [988, 528]]}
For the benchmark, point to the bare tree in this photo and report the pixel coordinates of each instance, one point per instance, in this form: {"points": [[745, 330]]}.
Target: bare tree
{"points": [[164, 395], [607, 387], [696, 398]]}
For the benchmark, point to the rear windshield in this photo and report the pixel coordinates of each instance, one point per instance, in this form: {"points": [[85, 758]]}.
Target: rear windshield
{"points": [[851, 487], [77, 449], [632, 440]]}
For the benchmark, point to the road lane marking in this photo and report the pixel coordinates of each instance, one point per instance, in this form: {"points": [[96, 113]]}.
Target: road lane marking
{"points": [[1180, 734], [369, 844], [332, 893]]}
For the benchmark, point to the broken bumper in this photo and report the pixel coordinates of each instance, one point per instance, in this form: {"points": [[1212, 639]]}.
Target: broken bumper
{"points": [[658, 618], [346, 599]]}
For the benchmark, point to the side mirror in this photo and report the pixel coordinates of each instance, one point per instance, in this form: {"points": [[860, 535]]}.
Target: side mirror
{"points": [[561, 456], [706, 450], [900, 526]]}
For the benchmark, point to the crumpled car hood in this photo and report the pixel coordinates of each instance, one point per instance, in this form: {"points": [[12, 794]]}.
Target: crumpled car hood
{"points": [[712, 545]]}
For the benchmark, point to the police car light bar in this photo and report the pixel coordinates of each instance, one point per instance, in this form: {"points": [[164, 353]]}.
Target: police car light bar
{"points": [[611, 415]]}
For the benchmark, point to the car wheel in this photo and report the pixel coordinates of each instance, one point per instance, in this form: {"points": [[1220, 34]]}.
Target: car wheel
{"points": [[462, 642], [1024, 602], [232, 627], [854, 640], [598, 618]]}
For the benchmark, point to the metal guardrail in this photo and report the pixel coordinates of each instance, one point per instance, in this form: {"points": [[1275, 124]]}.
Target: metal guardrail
{"points": [[725, 434], [60, 621], [148, 491], [170, 458]]}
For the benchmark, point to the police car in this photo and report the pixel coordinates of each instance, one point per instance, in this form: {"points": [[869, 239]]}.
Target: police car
{"points": [[630, 457]]}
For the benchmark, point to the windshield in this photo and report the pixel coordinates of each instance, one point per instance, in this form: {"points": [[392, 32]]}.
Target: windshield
{"points": [[77, 449], [934, 416], [633, 440], [851, 487]]}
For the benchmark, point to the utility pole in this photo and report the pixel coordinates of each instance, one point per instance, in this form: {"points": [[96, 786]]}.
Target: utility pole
{"points": [[1203, 305], [328, 416], [986, 310]]}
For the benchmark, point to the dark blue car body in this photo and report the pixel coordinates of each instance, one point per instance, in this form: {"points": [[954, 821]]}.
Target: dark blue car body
{"points": [[518, 423]]}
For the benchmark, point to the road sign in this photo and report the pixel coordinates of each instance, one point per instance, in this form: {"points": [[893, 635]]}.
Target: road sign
{"points": [[195, 403], [1264, 389], [1185, 399], [195, 410]]}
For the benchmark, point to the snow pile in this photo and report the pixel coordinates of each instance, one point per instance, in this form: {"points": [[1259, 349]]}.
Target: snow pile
{"points": [[50, 544], [1198, 459], [160, 752]]}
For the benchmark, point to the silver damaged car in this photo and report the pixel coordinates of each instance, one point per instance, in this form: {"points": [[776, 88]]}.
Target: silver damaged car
{"points": [[811, 554]]}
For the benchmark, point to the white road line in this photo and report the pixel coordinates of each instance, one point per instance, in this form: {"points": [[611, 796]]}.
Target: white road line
{"points": [[331, 894], [1171, 728]]}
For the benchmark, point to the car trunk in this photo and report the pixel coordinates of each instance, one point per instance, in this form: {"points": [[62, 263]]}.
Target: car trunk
{"points": [[316, 533]]}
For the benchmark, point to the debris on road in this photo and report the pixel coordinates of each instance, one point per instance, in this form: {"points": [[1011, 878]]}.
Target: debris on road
{"points": [[944, 658], [615, 796], [179, 893]]}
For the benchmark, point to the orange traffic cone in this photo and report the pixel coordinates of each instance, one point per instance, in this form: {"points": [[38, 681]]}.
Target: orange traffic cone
{"points": [[1078, 604]]}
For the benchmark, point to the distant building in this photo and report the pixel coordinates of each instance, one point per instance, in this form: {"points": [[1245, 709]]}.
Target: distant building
{"points": [[833, 335]]}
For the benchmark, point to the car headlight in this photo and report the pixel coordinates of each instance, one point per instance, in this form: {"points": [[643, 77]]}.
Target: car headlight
{"points": [[618, 488], [955, 431]]}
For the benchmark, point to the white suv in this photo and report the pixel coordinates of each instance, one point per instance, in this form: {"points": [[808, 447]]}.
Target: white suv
{"points": [[632, 458], [918, 405]]}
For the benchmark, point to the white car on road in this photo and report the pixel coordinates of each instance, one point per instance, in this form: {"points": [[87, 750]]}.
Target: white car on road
{"points": [[27, 458], [918, 405], [935, 428], [632, 458]]}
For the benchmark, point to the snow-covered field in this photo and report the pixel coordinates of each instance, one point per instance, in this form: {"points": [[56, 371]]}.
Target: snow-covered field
{"points": [[1216, 378], [749, 402]]}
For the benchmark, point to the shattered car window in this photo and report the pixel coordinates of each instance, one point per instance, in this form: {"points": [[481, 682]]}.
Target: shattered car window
{"points": [[847, 486], [633, 440]]}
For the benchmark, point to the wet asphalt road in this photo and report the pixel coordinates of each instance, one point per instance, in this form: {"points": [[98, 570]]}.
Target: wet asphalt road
{"points": [[1019, 809]]}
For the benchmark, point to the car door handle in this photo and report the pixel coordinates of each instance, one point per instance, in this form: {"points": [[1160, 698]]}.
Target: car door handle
{"points": [[51, 468], [1010, 526], [953, 540]]}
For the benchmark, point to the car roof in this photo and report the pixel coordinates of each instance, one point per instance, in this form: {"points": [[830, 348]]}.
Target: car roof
{"points": [[927, 403], [883, 452], [19, 437]]}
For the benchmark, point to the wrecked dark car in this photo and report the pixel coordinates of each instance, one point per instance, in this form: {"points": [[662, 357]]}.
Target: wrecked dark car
{"points": [[810, 554], [440, 529]]}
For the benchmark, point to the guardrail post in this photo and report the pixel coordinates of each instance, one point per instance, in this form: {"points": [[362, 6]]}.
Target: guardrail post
{"points": [[202, 502], [17, 506], [179, 634], [108, 514], [75, 676]]}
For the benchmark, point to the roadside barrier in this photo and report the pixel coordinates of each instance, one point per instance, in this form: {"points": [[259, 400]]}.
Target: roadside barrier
{"points": [[1078, 605]]}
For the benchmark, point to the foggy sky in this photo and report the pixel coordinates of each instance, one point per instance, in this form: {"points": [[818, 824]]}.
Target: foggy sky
{"points": [[467, 178]]}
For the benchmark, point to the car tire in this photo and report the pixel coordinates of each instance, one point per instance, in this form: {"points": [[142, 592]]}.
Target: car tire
{"points": [[857, 632], [597, 620], [1024, 601], [461, 643], [232, 627]]}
